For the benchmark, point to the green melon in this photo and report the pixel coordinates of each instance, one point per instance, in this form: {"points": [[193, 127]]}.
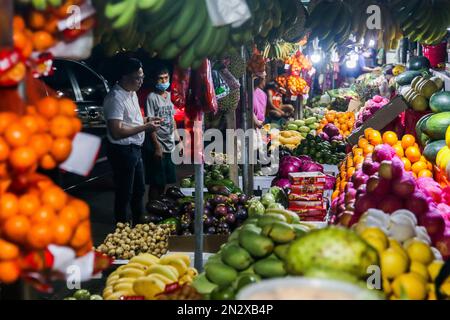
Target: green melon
{"points": [[431, 150], [437, 125], [440, 102], [406, 77]]}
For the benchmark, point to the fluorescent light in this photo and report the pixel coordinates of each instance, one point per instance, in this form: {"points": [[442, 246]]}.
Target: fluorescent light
{"points": [[315, 58], [351, 64], [371, 43]]}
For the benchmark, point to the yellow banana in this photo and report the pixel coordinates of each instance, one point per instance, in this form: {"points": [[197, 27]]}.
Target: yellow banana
{"points": [[148, 287], [145, 259], [136, 265], [192, 272], [112, 278], [116, 295], [174, 257], [162, 278], [185, 279], [131, 273], [107, 292], [180, 265], [165, 270]]}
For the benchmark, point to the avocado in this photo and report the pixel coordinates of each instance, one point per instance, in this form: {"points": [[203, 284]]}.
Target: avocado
{"points": [[257, 245]]}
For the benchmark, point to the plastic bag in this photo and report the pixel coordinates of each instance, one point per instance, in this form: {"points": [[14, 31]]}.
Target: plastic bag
{"points": [[224, 12], [230, 80], [180, 86], [220, 86]]}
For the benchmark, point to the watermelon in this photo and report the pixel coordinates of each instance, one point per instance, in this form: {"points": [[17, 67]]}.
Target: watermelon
{"points": [[436, 125], [421, 124], [406, 77], [431, 150], [424, 139], [418, 63], [440, 102]]}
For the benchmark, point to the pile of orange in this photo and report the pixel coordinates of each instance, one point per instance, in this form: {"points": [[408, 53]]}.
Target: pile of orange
{"points": [[297, 85], [27, 41], [408, 150], [344, 121], [42, 214], [41, 137]]}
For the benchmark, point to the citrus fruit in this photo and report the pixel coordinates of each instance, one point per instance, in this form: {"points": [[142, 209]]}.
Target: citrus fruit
{"points": [[18, 23], [47, 162], [42, 40], [70, 215], [413, 154], [375, 138], [82, 235], [62, 232], [418, 166], [29, 203], [410, 285], [17, 135], [6, 118], [407, 164], [419, 269], [30, 122], [9, 271], [362, 143], [40, 236], [375, 233], [4, 150], [55, 197], [390, 138], [61, 149], [44, 214], [408, 140], [8, 250], [81, 207], [61, 127], [425, 173], [16, 228], [41, 144], [36, 20], [420, 252], [67, 107], [398, 150], [48, 107], [434, 268], [23, 158], [9, 206], [393, 263], [367, 132]]}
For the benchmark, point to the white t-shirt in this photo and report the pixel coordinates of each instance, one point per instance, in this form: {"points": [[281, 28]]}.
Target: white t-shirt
{"points": [[120, 104]]}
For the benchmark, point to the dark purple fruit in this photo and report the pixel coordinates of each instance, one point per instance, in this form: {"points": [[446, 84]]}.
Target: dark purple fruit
{"points": [[241, 214], [220, 211], [211, 230], [233, 198], [219, 199], [207, 211], [186, 233], [208, 221], [230, 209], [243, 199], [230, 218]]}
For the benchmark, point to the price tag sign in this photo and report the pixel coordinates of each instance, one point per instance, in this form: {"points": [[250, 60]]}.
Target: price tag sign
{"points": [[85, 148], [287, 66], [294, 98]]}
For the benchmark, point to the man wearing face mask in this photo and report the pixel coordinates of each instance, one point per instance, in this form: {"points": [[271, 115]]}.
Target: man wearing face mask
{"points": [[126, 131], [159, 168]]}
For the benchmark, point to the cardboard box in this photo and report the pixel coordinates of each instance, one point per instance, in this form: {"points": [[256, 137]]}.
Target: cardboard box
{"points": [[307, 178], [354, 105], [306, 196], [381, 119], [307, 189], [211, 243]]}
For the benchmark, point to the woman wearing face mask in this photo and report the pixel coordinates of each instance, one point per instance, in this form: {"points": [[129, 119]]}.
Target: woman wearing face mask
{"points": [[159, 145]]}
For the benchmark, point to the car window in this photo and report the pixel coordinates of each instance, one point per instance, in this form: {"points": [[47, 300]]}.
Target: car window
{"points": [[60, 81], [91, 85]]}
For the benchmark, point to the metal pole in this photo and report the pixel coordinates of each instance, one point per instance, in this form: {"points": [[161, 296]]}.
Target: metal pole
{"points": [[6, 30], [247, 115], [404, 50], [198, 220]]}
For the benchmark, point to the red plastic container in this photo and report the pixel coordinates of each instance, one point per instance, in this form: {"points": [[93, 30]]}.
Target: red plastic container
{"points": [[436, 54]]}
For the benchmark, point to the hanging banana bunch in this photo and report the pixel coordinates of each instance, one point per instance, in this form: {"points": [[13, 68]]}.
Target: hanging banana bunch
{"points": [[279, 50]]}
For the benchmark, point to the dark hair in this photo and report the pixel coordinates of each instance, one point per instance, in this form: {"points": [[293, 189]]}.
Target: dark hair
{"points": [[258, 81], [160, 71], [271, 86], [128, 65]]}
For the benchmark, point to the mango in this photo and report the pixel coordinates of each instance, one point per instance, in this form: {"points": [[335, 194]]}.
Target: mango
{"points": [[234, 256], [257, 245], [270, 268]]}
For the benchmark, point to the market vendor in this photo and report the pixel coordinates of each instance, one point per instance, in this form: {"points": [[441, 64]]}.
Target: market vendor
{"points": [[159, 145], [259, 102], [126, 131], [276, 110]]}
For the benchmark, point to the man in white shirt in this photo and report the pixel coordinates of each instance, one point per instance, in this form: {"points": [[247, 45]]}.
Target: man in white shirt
{"points": [[126, 129]]}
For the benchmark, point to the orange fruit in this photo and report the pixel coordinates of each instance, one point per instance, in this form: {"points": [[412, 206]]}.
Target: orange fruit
{"points": [[51, 26], [408, 140], [429, 166], [413, 154], [17, 135], [398, 150], [425, 173], [362, 143], [18, 23], [16, 228], [70, 215], [367, 132], [41, 144], [390, 138], [86, 248], [77, 125], [358, 160], [368, 149], [30, 122], [358, 152], [42, 40], [23, 158], [9, 206], [6, 118], [40, 236], [29, 204], [44, 214], [9, 271], [8, 250], [61, 149], [67, 107], [36, 20], [350, 171], [4, 149], [82, 235], [414, 175], [62, 232], [81, 207], [407, 164], [48, 107], [61, 127], [47, 162], [375, 138], [335, 194], [42, 122], [4, 171], [418, 166], [55, 197]]}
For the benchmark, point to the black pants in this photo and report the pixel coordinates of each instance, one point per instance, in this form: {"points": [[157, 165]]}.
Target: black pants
{"points": [[128, 171]]}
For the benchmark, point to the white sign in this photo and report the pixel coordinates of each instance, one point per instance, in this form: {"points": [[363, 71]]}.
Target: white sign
{"points": [[85, 148], [224, 12]]}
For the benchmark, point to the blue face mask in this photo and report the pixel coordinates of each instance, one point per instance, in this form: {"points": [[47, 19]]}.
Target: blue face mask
{"points": [[163, 86]]}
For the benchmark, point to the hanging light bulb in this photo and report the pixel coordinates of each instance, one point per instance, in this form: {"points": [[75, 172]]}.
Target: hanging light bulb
{"points": [[371, 43]]}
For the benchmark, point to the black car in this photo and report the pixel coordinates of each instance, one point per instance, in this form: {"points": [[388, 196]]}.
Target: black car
{"points": [[77, 81]]}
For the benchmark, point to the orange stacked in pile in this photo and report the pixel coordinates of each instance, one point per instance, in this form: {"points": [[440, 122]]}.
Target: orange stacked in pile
{"points": [[344, 121], [298, 62], [34, 212], [26, 40], [408, 150], [297, 85]]}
